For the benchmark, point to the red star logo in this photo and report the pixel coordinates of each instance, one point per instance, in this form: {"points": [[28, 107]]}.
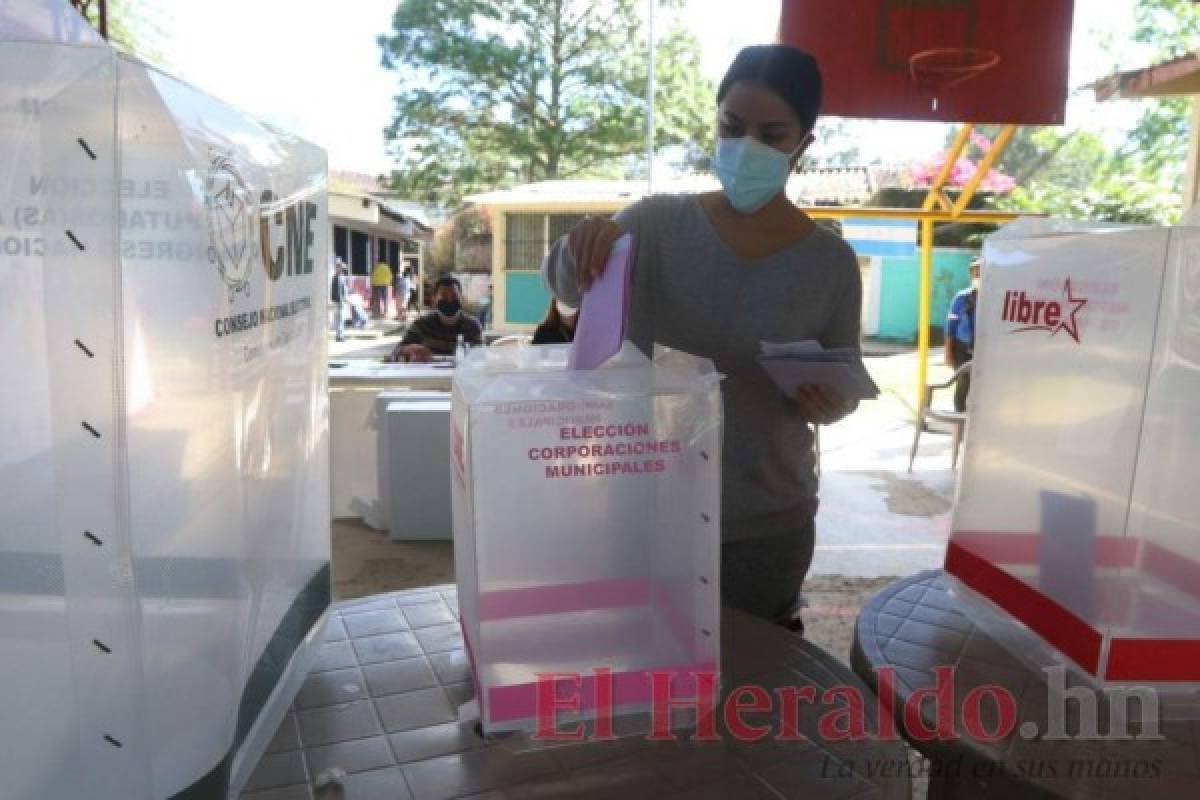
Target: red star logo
{"points": [[1070, 323]]}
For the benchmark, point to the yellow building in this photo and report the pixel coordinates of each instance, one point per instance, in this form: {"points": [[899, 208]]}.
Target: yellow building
{"points": [[527, 219]]}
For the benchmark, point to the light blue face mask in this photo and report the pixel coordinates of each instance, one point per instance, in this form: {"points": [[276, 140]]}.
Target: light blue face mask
{"points": [[750, 172]]}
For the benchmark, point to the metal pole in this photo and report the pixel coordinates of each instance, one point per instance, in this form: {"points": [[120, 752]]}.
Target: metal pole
{"points": [[103, 16], [923, 310], [1191, 185], [650, 97]]}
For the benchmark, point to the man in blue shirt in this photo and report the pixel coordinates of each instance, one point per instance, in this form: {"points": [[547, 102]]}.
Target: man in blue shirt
{"points": [[960, 334]]}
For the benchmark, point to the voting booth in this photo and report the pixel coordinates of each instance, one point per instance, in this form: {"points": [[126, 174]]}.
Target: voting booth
{"points": [[586, 528], [164, 555], [1077, 508]]}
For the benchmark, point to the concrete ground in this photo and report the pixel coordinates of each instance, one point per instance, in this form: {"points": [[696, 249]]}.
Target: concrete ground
{"points": [[875, 517]]}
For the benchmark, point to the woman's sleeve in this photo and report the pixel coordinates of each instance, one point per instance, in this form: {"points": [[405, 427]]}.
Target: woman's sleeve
{"points": [[558, 270], [845, 325]]}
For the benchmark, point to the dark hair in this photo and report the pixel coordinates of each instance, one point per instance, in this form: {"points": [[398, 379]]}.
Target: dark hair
{"points": [[552, 319], [447, 280], [787, 71]]}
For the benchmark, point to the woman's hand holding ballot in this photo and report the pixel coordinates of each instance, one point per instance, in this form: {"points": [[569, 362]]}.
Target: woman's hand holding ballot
{"points": [[590, 243]]}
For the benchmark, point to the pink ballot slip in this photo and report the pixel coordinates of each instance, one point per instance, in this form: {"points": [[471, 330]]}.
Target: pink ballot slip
{"points": [[605, 310]]}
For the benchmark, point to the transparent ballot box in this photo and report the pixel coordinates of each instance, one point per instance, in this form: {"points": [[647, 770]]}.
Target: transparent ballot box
{"points": [[164, 551], [1077, 511], [586, 526]]}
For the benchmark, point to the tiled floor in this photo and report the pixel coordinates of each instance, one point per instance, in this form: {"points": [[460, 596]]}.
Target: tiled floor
{"points": [[381, 706], [373, 701]]}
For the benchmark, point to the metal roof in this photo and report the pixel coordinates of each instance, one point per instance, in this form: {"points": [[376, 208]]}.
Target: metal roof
{"points": [[1179, 76]]}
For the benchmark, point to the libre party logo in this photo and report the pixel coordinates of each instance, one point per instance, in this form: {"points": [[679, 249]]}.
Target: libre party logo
{"points": [[1037, 314], [232, 223]]}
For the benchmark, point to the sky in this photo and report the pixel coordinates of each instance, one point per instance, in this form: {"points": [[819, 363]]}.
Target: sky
{"points": [[313, 67]]}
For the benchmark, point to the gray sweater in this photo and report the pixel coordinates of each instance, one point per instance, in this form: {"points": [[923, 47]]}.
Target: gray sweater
{"points": [[692, 293]]}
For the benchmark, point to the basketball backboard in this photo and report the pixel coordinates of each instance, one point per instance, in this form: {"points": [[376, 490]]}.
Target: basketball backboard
{"points": [[988, 61]]}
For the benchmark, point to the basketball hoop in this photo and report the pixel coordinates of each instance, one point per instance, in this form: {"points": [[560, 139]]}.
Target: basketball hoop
{"points": [[935, 71]]}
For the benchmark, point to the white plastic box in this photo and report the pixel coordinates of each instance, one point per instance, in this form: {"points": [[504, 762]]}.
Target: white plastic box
{"points": [[380, 515], [1078, 511], [164, 548], [414, 457], [586, 525]]}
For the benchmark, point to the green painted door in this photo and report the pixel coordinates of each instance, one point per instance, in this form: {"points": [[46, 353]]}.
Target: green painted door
{"points": [[900, 291], [526, 299]]}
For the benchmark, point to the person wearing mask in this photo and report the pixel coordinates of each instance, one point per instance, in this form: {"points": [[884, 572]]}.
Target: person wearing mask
{"points": [[718, 274], [436, 332], [960, 334], [559, 325], [381, 281]]}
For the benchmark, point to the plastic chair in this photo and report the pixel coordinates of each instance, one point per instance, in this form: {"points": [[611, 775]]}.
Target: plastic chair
{"points": [[955, 421]]}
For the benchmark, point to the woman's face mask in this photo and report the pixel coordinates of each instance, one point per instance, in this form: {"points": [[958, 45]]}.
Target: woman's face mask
{"points": [[750, 172], [449, 308]]}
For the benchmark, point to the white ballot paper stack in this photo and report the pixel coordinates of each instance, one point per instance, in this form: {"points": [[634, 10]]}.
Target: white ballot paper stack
{"points": [[795, 364]]}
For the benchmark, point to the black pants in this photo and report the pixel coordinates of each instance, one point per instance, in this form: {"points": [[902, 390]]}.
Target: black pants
{"points": [[962, 354], [763, 576]]}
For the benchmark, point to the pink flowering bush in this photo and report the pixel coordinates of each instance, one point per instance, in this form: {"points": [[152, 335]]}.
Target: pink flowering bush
{"points": [[924, 173]]}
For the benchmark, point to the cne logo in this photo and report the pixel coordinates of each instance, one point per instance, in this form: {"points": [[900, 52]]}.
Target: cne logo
{"points": [[1050, 316], [232, 223]]}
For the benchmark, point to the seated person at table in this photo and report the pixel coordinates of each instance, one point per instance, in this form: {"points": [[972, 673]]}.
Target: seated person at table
{"points": [[559, 325], [436, 332]]}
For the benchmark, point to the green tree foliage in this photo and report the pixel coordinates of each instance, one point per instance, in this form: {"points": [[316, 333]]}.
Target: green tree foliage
{"points": [[134, 27], [1075, 174], [1159, 141], [465, 228], [497, 93]]}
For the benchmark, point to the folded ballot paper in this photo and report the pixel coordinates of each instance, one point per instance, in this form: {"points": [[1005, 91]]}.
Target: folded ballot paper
{"points": [[795, 364], [605, 311]]}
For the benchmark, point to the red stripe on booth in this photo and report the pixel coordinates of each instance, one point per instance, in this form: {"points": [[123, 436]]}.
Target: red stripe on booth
{"points": [[1172, 568], [1023, 548], [1069, 633], [1153, 660]]}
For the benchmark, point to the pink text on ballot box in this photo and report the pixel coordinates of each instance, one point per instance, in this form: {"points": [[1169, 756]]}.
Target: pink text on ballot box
{"points": [[586, 523]]}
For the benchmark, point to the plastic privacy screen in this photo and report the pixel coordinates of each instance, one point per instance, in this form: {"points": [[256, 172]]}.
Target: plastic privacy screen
{"points": [[1076, 510], [165, 547], [586, 525]]}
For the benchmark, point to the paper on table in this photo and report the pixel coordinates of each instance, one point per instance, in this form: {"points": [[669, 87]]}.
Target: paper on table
{"points": [[605, 311]]}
